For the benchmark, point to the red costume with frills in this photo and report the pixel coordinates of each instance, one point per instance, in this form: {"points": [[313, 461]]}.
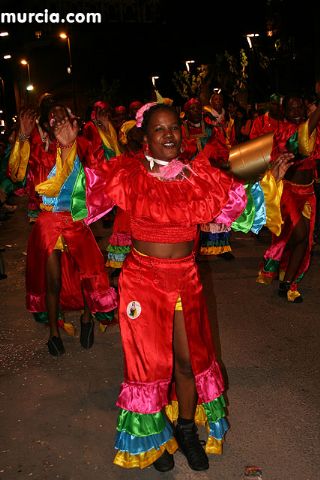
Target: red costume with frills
{"points": [[82, 265], [165, 212], [296, 201]]}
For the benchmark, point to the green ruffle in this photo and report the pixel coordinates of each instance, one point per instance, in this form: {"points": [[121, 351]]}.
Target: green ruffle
{"points": [[118, 249], [139, 424], [271, 265], [78, 197], [215, 409]]}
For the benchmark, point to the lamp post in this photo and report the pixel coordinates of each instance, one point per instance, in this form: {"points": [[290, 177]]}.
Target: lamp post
{"points": [[29, 86], [65, 36], [188, 64]]}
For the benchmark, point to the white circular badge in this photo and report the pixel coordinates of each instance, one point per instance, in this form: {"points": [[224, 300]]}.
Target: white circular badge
{"points": [[133, 309]]}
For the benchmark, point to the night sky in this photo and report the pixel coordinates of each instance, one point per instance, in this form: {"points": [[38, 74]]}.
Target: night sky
{"points": [[138, 39]]}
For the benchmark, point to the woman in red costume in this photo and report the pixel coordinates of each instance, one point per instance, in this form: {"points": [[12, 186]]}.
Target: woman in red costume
{"points": [[170, 366], [289, 253], [65, 267], [34, 152]]}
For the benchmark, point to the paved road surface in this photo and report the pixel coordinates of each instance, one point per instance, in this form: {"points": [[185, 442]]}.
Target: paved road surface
{"points": [[58, 416]]}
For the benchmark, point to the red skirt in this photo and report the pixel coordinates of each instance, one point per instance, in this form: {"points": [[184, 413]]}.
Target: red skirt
{"points": [[82, 265]]}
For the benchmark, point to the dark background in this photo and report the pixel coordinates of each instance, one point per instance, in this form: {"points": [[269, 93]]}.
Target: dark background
{"points": [[138, 39]]}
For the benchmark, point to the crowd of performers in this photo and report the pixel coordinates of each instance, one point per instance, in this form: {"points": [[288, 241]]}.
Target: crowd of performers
{"points": [[170, 180]]}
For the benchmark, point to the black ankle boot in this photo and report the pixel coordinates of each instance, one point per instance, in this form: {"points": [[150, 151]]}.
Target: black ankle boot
{"points": [[164, 463], [55, 346], [189, 443], [87, 333], [283, 289]]}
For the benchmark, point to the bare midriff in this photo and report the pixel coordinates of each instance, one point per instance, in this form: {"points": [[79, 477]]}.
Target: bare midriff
{"points": [[300, 177], [163, 250]]}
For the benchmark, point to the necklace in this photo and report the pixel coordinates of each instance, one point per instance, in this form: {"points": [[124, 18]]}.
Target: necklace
{"points": [[168, 170]]}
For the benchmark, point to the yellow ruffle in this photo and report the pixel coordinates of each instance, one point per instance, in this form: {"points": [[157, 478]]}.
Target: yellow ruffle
{"points": [[52, 186], [172, 412], [214, 446], [292, 295], [306, 142], [272, 191], [264, 279], [214, 250], [110, 139], [69, 329], [18, 160], [114, 264], [143, 460]]}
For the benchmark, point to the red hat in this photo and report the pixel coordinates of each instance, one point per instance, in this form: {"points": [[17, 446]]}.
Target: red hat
{"points": [[190, 102], [120, 109], [135, 104]]}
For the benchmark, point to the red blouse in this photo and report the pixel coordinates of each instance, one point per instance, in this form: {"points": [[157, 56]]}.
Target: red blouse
{"points": [[166, 211]]}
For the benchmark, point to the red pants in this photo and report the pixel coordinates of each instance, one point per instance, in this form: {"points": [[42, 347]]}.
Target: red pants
{"points": [[82, 265], [149, 288]]}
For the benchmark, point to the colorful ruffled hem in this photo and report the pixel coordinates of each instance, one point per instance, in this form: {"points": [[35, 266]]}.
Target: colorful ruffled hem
{"points": [[117, 255], [142, 438], [211, 415], [214, 243], [143, 460]]}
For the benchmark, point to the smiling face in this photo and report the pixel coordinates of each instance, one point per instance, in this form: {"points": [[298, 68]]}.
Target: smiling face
{"points": [[295, 110], [163, 134]]}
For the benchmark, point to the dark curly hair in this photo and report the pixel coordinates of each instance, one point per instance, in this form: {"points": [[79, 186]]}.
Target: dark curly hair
{"points": [[160, 106]]}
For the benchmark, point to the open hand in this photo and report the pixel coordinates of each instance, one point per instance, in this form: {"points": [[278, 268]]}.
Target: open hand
{"points": [[280, 166], [27, 121], [65, 130]]}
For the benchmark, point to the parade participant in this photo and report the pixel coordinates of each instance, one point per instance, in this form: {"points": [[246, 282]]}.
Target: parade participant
{"points": [[289, 254], [65, 267], [119, 116], [214, 238], [100, 131], [165, 330], [269, 121], [34, 152], [133, 108], [171, 371]]}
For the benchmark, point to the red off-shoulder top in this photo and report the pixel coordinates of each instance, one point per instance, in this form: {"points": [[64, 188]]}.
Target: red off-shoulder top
{"points": [[166, 211]]}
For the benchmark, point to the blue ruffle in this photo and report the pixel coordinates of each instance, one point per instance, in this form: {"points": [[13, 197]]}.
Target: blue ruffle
{"points": [[136, 445]]}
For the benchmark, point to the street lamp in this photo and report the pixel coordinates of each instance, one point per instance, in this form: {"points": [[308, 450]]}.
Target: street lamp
{"points": [[4, 34], [153, 80], [249, 36], [188, 64], [24, 62], [64, 36]]}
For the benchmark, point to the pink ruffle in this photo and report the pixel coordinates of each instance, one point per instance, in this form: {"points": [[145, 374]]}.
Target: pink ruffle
{"points": [[234, 207], [98, 202], [144, 397], [210, 384], [120, 239]]}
